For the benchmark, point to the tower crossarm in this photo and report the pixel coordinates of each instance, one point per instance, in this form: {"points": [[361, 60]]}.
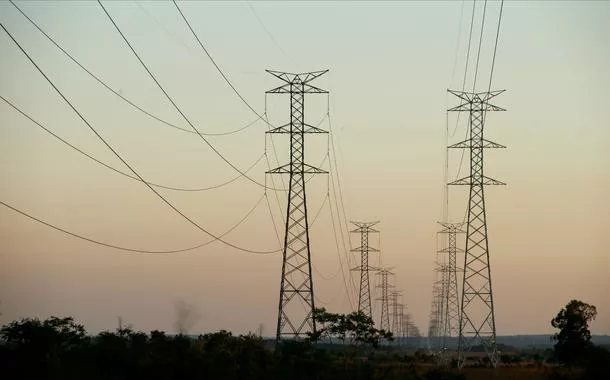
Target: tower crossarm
{"points": [[467, 144], [307, 128]]}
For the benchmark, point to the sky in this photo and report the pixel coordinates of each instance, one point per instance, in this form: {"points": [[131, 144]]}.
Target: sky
{"points": [[390, 64]]}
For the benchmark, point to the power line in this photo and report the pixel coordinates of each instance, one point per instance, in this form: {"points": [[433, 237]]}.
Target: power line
{"points": [[277, 45], [469, 43], [335, 166], [117, 93], [120, 171], [347, 288], [345, 250], [476, 71], [226, 79], [224, 76], [121, 158], [457, 45], [218, 67], [332, 140], [493, 61], [174, 103], [122, 248]]}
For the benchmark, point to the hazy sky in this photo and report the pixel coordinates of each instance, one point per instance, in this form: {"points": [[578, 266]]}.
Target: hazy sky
{"points": [[390, 65]]}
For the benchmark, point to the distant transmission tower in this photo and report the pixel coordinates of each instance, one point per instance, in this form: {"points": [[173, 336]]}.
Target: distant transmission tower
{"points": [[364, 300], [436, 313], [296, 303], [394, 305], [384, 322], [399, 335], [451, 293], [477, 319]]}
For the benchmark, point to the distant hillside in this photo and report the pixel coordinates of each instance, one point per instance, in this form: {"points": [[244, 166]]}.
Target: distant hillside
{"points": [[533, 341]]}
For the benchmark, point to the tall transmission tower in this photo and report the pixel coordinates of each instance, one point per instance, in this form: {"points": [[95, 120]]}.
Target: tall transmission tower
{"points": [[451, 302], [384, 284], [364, 299], [296, 304], [477, 326]]}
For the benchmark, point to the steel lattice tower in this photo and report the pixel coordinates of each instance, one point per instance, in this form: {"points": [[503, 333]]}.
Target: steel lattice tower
{"points": [[394, 304], [384, 322], [477, 324], [400, 332], [364, 299], [436, 309], [296, 302], [451, 305]]}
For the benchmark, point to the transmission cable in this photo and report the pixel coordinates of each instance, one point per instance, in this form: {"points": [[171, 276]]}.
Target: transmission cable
{"points": [[120, 171], [332, 139], [277, 45], [218, 67], [476, 71], [493, 61], [475, 76], [174, 103], [121, 248], [347, 288], [467, 62], [117, 93], [122, 159], [332, 182]]}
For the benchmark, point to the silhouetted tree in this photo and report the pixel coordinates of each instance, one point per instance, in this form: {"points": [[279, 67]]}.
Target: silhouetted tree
{"points": [[354, 329], [574, 338], [35, 348]]}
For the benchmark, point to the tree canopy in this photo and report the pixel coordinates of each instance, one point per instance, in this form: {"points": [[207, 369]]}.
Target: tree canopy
{"points": [[573, 340], [354, 329]]}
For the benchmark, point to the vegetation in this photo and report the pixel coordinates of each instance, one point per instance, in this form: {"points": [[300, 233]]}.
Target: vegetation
{"points": [[573, 347], [344, 347], [574, 337], [354, 329], [59, 348]]}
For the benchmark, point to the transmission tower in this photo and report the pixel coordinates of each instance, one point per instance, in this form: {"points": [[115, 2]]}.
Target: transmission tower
{"points": [[296, 304], [394, 305], [436, 312], [450, 295], [401, 326], [364, 300], [385, 273], [477, 326]]}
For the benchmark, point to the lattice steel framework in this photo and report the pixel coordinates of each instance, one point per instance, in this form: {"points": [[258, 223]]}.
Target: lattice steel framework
{"points": [[436, 309], [450, 292], [296, 302], [400, 325], [364, 299], [384, 285], [395, 306], [477, 326]]}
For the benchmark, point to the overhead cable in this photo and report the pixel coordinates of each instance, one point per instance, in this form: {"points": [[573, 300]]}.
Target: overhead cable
{"points": [[168, 203], [122, 248], [120, 171], [224, 76], [117, 93], [171, 100]]}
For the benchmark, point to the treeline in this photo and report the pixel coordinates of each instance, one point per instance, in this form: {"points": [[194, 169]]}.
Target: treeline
{"points": [[60, 348], [344, 346]]}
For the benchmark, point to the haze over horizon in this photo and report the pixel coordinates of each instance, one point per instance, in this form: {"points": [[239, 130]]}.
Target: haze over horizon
{"points": [[390, 66]]}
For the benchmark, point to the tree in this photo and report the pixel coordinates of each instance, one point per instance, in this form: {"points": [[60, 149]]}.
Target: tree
{"points": [[353, 329], [37, 349], [574, 338]]}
